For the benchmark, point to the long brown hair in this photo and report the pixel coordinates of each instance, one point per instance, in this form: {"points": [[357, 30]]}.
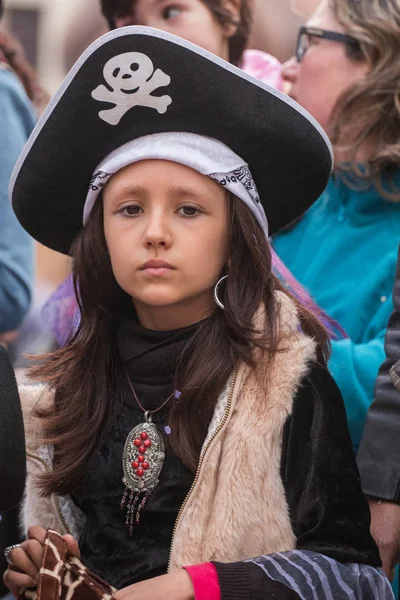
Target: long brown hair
{"points": [[113, 9], [368, 113], [85, 373]]}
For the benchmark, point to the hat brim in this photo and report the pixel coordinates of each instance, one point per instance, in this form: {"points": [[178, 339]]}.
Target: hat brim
{"points": [[288, 153]]}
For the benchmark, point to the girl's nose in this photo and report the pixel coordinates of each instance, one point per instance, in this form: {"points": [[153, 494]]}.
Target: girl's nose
{"points": [[157, 234]]}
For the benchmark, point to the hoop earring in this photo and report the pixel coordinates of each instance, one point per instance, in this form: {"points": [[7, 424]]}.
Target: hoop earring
{"points": [[216, 288]]}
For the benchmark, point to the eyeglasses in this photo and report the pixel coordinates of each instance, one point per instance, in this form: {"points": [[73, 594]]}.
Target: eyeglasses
{"points": [[305, 33]]}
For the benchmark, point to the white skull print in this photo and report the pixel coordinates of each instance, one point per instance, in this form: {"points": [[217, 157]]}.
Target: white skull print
{"points": [[132, 80]]}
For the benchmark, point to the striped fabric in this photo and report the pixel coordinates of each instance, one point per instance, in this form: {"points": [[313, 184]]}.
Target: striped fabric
{"points": [[395, 374], [314, 576]]}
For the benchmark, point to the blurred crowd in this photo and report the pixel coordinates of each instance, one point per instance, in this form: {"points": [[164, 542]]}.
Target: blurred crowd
{"points": [[339, 59]]}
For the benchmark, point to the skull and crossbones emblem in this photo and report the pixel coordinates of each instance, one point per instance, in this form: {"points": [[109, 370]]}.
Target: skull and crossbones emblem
{"points": [[132, 79]]}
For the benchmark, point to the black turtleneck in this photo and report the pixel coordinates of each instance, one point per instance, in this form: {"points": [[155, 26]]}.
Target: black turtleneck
{"points": [[150, 358]]}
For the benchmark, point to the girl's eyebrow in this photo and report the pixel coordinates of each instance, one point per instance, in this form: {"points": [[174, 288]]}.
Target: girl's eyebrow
{"points": [[141, 191], [185, 191], [129, 190]]}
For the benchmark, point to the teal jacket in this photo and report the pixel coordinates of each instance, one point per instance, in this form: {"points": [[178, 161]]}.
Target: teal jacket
{"points": [[344, 252]]}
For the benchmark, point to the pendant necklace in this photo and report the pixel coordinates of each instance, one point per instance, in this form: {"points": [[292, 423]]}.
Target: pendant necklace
{"points": [[142, 461]]}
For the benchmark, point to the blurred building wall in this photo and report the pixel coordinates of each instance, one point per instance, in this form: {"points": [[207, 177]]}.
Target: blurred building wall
{"points": [[51, 19], [276, 23]]}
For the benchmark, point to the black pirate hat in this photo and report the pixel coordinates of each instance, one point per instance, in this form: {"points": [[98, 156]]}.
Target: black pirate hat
{"points": [[137, 81]]}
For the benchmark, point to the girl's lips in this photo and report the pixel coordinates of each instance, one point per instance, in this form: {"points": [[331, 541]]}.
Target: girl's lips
{"points": [[155, 263], [157, 271]]}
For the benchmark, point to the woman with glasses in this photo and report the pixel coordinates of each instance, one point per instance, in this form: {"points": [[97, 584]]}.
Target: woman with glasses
{"points": [[346, 73]]}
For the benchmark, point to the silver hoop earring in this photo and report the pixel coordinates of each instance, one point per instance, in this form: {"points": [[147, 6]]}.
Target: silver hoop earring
{"points": [[216, 288]]}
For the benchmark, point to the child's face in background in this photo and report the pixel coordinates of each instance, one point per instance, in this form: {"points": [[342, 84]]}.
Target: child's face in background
{"points": [[189, 19], [157, 210]]}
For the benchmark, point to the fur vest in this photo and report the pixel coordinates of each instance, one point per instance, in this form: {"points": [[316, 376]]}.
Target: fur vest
{"points": [[236, 507]]}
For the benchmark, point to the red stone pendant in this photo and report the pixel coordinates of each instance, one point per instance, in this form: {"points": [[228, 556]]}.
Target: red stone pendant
{"points": [[142, 461]]}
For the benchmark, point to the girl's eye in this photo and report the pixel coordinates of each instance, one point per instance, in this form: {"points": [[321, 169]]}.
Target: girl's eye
{"points": [[131, 211], [189, 211], [170, 12]]}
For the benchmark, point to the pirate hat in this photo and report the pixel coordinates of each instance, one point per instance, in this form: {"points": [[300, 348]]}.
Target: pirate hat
{"points": [[138, 81]]}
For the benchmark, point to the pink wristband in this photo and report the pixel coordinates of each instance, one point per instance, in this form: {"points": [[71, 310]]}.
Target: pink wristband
{"points": [[205, 581]]}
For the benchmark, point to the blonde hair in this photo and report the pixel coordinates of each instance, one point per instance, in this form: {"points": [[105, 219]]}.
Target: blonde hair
{"points": [[367, 114]]}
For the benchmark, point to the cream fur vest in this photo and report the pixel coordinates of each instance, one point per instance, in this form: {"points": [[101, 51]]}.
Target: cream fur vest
{"points": [[236, 508]]}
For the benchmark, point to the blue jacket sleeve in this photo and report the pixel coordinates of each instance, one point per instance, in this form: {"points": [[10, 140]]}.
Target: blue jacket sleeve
{"points": [[16, 246], [355, 368]]}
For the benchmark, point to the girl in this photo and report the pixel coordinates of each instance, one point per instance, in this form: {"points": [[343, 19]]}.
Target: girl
{"points": [[220, 26], [189, 435]]}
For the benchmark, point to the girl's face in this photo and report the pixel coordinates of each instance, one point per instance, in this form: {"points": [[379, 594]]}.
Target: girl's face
{"points": [[325, 71], [166, 229], [189, 19]]}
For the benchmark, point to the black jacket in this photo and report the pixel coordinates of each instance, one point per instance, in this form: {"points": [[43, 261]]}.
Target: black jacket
{"points": [[12, 440], [379, 454]]}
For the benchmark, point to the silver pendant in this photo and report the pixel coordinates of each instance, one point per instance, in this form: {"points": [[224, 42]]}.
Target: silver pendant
{"points": [[142, 462]]}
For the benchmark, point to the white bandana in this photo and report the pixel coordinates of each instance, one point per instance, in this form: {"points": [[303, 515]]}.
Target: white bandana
{"points": [[203, 154]]}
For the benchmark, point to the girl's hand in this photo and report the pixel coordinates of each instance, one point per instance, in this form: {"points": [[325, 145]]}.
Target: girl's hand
{"points": [[174, 586], [27, 560]]}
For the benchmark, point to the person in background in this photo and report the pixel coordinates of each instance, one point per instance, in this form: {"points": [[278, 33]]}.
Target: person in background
{"points": [[378, 458], [12, 457], [33, 335], [344, 249], [17, 120], [12, 440], [220, 26]]}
